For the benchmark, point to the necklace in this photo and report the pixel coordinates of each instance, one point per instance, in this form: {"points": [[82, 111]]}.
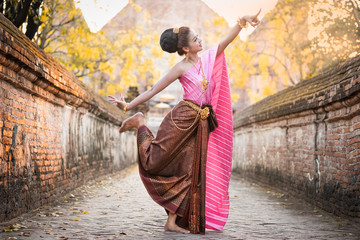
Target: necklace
{"points": [[194, 63], [204, 82]]}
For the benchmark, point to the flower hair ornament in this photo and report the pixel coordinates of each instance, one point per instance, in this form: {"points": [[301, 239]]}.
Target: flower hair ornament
{"points": [[176, 30]]}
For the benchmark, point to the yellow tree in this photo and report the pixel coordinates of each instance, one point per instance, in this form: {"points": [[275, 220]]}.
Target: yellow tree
{"points": [[135, 62], [282, 55], [335, 30], [137, 53], [106, 64], [56, 16], [299, 38], [240, 60], [286, 40], [64, 34]]}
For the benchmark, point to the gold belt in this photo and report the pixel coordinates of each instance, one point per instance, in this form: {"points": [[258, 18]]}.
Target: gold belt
{"points": [[204, 112]]}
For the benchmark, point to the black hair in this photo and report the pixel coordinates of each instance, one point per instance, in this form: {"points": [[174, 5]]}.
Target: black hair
{"points": [[174, 42]]}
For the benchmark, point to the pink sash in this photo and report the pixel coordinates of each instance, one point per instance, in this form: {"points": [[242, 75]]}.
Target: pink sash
{"points": [[219, 154]]}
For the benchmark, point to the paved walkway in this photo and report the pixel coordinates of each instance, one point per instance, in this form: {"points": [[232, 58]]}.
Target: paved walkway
{"points": [[118, 207]]}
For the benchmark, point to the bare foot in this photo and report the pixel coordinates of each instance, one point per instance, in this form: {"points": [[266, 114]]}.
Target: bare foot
{"points": [[171, 225], [175, 228], [134, 121]]}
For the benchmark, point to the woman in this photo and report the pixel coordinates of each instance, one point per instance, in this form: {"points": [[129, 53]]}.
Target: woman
{"points": [[175, 165]]}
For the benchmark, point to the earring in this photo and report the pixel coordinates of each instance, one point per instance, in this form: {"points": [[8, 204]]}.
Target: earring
{"points": [[186, 56]]}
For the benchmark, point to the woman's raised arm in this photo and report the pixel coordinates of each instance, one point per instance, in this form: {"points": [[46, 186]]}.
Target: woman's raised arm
{"points": [[251, 19]]}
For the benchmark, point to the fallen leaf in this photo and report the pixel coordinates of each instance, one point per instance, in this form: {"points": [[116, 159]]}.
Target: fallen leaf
{"points": [[24, 234], [104, 213], [18, 225], [122, 233], [85, 212], [13, 228], [75, 219], [7, 229]]}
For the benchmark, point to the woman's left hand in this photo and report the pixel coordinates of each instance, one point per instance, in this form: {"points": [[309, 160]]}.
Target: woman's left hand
{"points": [[252, 19]]}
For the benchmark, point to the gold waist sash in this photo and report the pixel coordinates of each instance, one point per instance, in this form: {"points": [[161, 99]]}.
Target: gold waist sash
{"points": [[204, 112]]}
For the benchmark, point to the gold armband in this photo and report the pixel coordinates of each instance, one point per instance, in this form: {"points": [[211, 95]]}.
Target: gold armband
{"points": [[240, 24], [125, 108]]}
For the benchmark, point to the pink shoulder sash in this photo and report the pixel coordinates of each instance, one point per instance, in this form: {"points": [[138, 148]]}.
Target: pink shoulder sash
{"points": [[219, 154]]}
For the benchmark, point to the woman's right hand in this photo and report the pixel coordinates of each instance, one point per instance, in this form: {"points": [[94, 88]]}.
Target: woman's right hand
{"points": [[120, 102], [252, 19]]}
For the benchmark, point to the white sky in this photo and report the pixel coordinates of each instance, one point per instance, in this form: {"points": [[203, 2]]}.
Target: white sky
{"points": [[98, 12]]}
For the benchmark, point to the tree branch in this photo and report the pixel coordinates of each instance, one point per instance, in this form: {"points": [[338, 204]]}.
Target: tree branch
{"points": [[279, 60], [22, 11], [2, 6], [33, 19], [354, 10]]}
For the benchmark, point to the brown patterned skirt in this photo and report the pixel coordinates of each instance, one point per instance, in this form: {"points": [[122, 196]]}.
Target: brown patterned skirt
{"points": [[172, 165]]}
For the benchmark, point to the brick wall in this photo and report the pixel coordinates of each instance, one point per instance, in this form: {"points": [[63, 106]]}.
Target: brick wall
{"points": [[306, 140], [55, 134]]}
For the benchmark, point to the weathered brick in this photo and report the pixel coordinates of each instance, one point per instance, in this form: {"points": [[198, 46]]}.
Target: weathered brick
{"points": [[7, 133]]}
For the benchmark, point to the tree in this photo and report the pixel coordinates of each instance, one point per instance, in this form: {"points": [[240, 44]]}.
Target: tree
{"points": [[57, 16], [65, 35], [19, 12], [134, 64], [279, 50], [287, 42], [336, 34]]}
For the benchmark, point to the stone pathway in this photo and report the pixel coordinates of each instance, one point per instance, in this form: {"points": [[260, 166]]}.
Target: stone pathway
{"points": [[118, 207]]}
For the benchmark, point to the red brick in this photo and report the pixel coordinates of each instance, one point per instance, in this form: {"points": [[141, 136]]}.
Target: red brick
{"points": [[356, 126], [7, 133]]}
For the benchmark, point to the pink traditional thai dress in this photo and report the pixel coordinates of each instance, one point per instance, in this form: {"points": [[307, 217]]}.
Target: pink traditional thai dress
{"points": [[186, 168]]}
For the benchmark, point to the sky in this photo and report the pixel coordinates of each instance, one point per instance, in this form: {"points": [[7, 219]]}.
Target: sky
{"points": [[98, 12]]}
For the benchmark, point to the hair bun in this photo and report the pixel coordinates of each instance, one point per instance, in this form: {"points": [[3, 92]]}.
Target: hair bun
{"points": [[169, 40]]}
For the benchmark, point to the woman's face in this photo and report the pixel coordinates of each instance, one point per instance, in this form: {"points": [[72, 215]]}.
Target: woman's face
{"points": [[194, 42]]}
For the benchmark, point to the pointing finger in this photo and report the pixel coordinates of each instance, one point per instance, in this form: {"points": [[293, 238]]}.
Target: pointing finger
{"points": [[258, 13]]}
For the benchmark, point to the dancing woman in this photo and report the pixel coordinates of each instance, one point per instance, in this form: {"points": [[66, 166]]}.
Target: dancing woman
{"points": [[186, 167]]}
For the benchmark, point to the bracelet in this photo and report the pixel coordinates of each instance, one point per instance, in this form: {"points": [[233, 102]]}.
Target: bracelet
{"points": [[125, 108], [240, 24]]}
